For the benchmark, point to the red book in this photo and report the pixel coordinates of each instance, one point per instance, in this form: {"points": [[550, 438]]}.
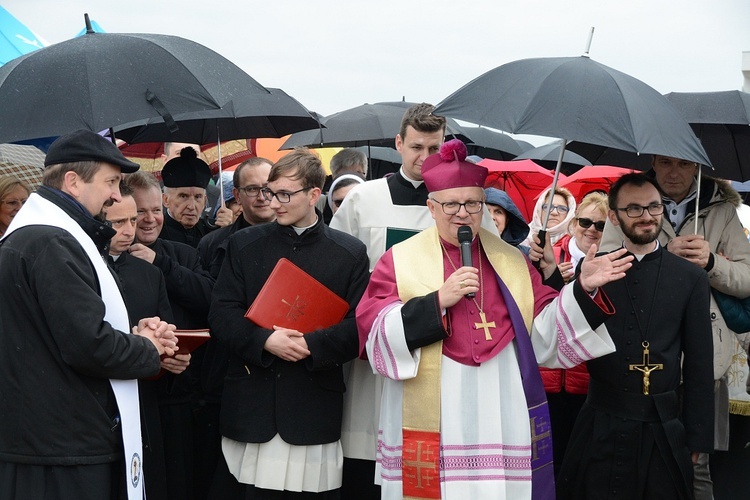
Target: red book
{"points": [[291, 298], [190, 340]]}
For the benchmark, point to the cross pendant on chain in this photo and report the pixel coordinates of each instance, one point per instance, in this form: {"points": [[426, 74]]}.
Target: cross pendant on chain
{"points": [[646, 367], [485, 325]]}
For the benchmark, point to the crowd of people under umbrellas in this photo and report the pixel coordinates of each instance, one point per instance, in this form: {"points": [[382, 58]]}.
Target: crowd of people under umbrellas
{"points": [[602, 362]]}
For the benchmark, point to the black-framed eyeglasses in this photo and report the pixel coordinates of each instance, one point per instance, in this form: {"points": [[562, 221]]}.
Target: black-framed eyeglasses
{"points": [[562, 209], [635, 211], [282, 196], [587, 223], [453, 207], [250, 190]]}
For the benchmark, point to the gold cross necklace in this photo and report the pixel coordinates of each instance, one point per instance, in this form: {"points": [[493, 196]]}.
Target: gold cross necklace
{"points": [[646, 367], [484, 325]]}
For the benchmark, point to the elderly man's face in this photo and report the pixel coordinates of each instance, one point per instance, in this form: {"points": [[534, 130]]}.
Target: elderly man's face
{"points": [[674, 176], [447, 225], [185, 204]]}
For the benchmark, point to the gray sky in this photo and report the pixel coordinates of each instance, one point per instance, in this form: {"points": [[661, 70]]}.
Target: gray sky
{"points": [[335, 54]]}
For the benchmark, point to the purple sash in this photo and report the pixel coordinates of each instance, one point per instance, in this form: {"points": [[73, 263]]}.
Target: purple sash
{"points": [[542, 471]]}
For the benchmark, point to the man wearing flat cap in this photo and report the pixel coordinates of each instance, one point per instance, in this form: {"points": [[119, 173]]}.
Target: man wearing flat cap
{"points": [[464, 412], [185, 179], [69, 419]]}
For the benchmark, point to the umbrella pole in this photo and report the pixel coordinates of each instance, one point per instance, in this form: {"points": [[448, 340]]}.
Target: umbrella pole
{"points": [[221, 180], [698, 198], [543, 231]]}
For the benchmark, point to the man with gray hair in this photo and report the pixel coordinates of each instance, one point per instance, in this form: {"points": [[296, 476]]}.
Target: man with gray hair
{"points": [[348, 161]]}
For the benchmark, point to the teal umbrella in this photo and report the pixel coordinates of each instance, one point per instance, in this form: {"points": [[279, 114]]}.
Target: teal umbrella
{"points": [[15, 38]]}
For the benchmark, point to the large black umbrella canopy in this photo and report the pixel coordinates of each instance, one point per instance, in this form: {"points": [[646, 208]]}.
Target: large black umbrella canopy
{"points": [[575, 98], [101, 80], [366, 125], [721, 120], [272, 113]]}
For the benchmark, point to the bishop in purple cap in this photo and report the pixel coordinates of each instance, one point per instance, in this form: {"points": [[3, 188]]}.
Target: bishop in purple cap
{"points": [[464, 413]]}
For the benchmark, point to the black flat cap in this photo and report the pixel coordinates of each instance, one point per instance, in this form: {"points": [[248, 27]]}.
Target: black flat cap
{"points": [[186, 170], [85, 145]]}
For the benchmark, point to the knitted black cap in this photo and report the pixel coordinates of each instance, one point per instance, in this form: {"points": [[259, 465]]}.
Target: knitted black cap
{"points": [[186, 170]]}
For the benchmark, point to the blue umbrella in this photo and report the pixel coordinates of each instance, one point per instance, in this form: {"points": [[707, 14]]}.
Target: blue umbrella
{"points": [[15, 38]]}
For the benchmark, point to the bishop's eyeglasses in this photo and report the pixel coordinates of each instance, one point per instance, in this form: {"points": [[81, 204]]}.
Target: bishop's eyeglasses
{"points": [[635, 211], [453, 207]]}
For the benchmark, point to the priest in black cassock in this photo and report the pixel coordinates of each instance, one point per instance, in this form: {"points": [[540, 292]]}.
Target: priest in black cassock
{"points": [[649, 410]]}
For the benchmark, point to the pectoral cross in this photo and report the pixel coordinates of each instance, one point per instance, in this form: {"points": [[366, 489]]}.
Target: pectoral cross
{"points": [[646, 368], [484, 325]]}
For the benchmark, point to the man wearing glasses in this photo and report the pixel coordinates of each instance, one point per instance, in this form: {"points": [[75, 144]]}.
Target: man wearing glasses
{"points": [[284, 390], [636, 436], [463, 411], [250, 177], [722, 251]]}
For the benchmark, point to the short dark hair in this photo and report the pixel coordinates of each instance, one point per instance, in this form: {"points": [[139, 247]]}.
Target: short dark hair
{"points": [[420, 117], [634, 179], [55, 174], [301, 164], [252, 162]]}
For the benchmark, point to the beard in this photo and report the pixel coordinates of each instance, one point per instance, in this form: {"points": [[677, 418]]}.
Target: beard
{"points": [[639, 238]]}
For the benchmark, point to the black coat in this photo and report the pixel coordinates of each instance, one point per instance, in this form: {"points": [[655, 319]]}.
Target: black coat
{"points": [[57, 353], [213, 246], [265, 395], [174, 231], [619, 444], [146, 296]]}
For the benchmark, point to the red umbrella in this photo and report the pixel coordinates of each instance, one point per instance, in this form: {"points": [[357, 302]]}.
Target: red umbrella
{"points": [[523, 180], [593, 178]]}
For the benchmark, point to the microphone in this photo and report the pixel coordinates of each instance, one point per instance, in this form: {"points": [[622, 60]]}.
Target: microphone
{"points": [[464, 240]]}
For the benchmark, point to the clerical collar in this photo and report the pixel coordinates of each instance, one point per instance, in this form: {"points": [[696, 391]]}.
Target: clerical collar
{"points": [[640, 256], [114, 257], [677, 212], [300, 230], [414, 183]]}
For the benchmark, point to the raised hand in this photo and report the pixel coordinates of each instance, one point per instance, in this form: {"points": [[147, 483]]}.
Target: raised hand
{"points": [[598, 271]]}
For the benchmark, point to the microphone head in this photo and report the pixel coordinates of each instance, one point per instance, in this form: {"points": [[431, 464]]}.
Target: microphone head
{"points": [[464, 234]]}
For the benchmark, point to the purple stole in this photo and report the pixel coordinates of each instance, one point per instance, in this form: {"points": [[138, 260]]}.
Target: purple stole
{"points": [[542, 471]]}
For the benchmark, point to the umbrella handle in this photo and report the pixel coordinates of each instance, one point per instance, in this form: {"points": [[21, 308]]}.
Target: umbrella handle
{"points": [[542, 240]]}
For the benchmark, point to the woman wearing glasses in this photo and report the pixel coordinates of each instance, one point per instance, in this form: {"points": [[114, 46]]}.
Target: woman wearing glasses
{"points": [[13, 194], [561, 213], [585, 229]]}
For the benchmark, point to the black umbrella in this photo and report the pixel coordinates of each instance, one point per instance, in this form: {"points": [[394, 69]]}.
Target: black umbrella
{"points": [[248, 116], [721, 120], [548, 155], [490, 144], [366, 125], [575, 98], [101, 80]]}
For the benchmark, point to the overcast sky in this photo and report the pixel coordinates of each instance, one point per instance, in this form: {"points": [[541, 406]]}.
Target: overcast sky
{"points": [[335, 54]]}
